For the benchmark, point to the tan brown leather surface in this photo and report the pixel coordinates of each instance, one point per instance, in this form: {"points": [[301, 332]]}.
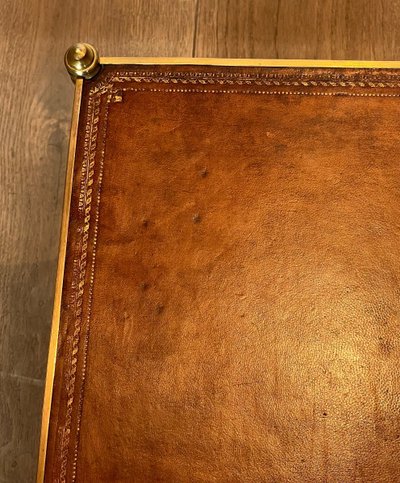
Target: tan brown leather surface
{"points": [[231, 299]]}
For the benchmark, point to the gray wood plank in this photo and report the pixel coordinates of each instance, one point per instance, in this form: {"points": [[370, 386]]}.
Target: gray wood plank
{"points": [[330, 29]]}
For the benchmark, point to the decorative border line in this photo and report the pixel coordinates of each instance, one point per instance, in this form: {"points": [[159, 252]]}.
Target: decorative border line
{"points": [[78, 282], [236, 91], [110, 86], [91, 284], [269, 79]]}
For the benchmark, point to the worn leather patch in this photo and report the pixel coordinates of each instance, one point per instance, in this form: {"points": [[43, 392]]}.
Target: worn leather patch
{"points": [[230, 309]]}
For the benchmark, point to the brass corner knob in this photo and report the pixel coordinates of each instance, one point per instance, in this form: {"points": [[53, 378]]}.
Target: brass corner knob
{"points": [[82, 60]]}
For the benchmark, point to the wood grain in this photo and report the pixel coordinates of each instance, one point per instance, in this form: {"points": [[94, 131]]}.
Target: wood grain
{"points": [[314, 29], [35, 102]]}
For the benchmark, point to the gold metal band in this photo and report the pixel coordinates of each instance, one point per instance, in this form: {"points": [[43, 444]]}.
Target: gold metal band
{"points": [[351, 64], [51, 363]]}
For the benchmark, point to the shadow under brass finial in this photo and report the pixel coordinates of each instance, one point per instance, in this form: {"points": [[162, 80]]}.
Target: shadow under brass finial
{"points": [[82, 60]]}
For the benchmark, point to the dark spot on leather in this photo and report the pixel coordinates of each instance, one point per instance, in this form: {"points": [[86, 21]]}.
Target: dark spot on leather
{"points": [[204, 173], [255, 165], [385, 346], [196, 218], [144, 286], [324, 414], [159, 309], [145, 223]]}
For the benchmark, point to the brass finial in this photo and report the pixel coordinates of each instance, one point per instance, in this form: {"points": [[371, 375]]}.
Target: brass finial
{"points": [[82, 60]]}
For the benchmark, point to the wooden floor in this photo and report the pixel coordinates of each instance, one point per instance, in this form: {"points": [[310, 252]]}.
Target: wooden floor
{"points": [[35, 103]]}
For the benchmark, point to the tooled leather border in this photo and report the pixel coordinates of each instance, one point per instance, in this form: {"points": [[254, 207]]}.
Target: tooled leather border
{"points": [[110, 88]]}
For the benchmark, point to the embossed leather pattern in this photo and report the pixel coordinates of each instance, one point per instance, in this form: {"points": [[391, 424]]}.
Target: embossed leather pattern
{"points": [[230, 308]]}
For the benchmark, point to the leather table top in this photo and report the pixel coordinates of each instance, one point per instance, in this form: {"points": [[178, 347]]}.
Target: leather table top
{"points": [[231, 298]]}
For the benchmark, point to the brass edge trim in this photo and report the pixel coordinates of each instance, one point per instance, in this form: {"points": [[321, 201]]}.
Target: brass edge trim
{"points": [[51, 362], [356, 64]]}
